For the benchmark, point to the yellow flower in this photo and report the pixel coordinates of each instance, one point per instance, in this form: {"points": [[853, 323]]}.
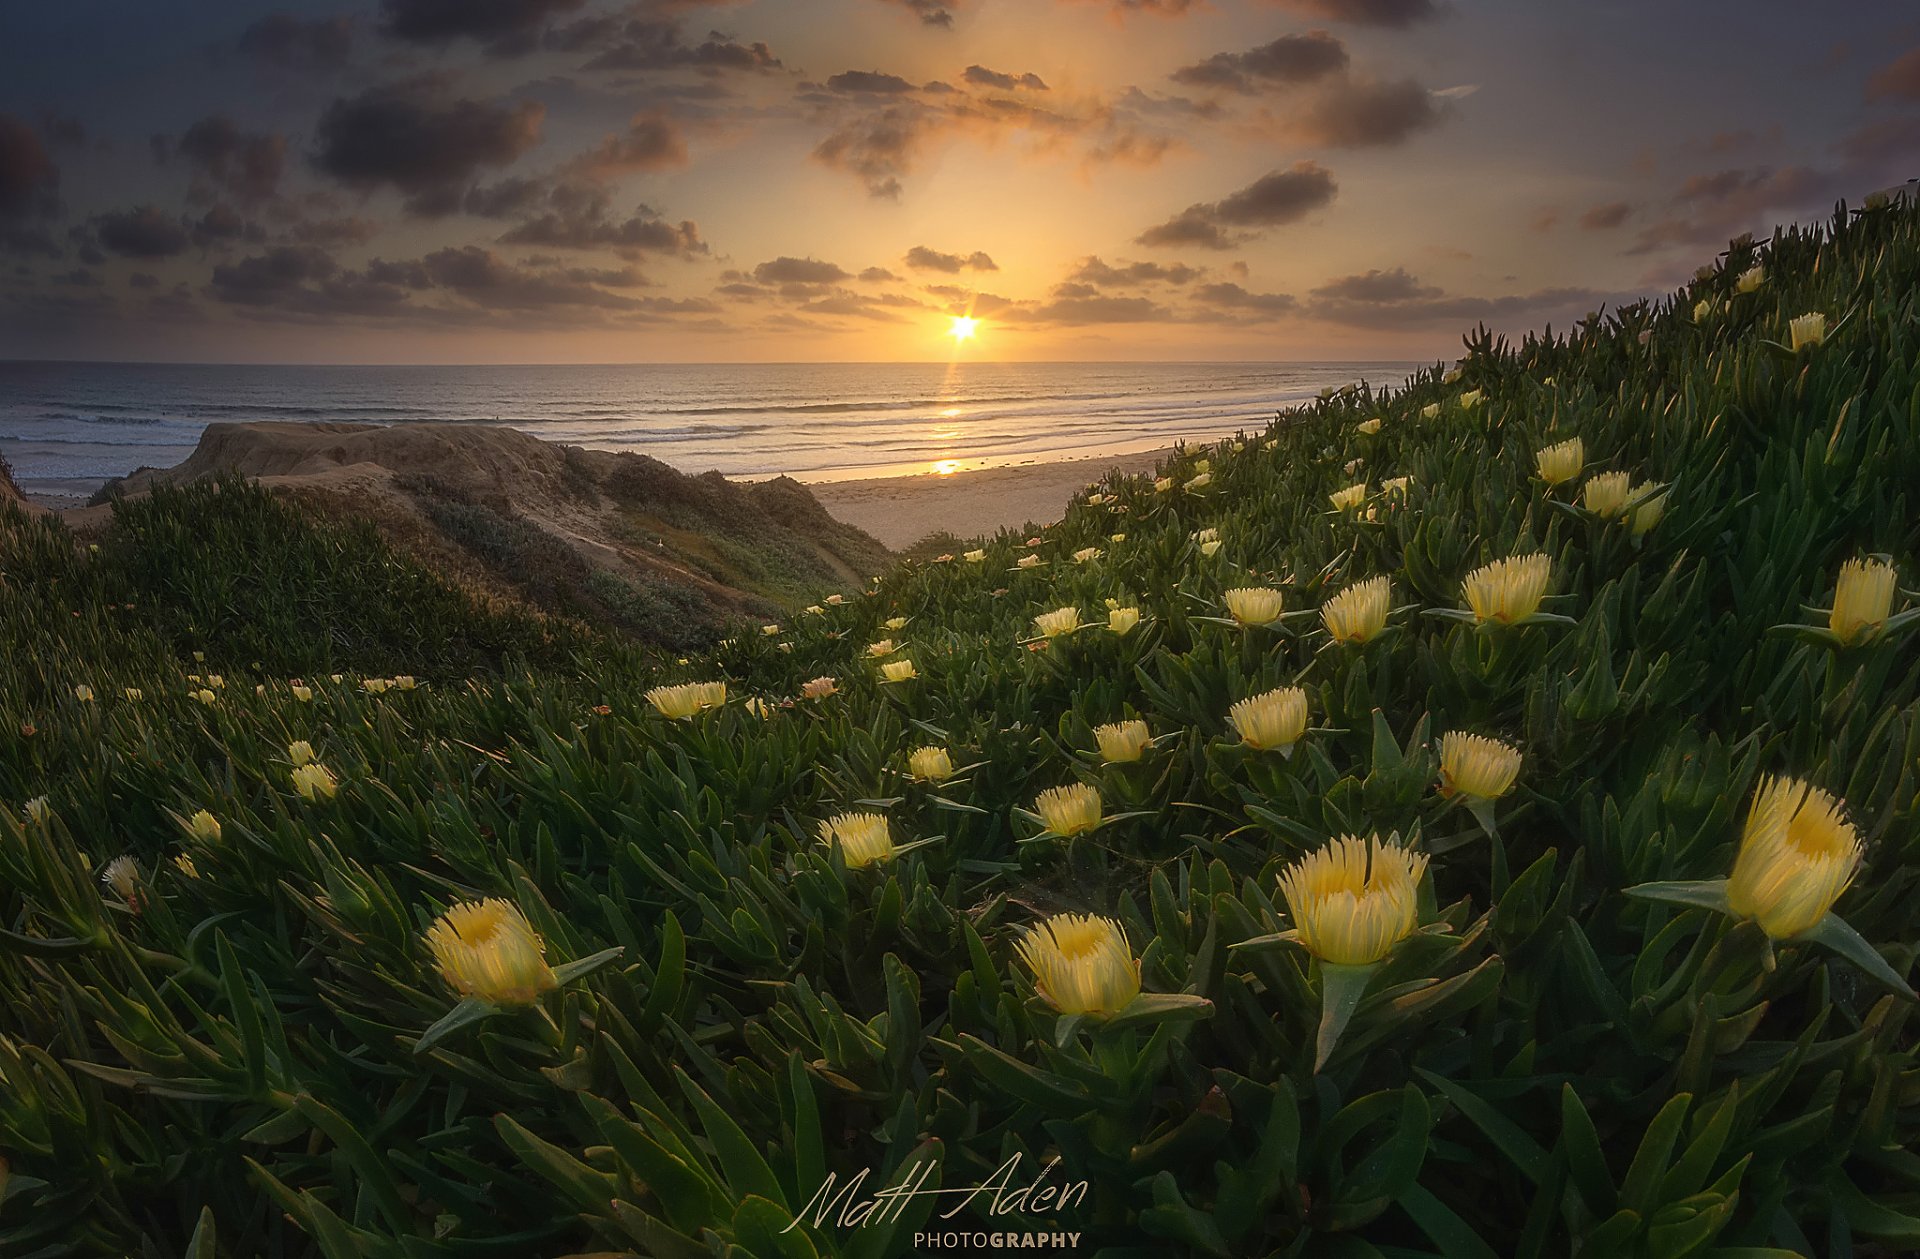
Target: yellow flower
{"points": [[1057, 622], [487, 949], [1797, 854], [1086, 555], [1070, 810], [863, 838], [974, 557], [1118, 537], [898, 671], [1703, 310], [1349, 498], [204, 827], [38, 810], [896, 622], [1027, 561], [406, 682], [759, 707], [1358, 613], [1271, 722], [1808, 330], [1647, 514], [930, 764], [1560, 463], [1203, 465], [814, 609], [1750, 280], [820, 688], [1123, 620], [204, 696], [183, 862], [1477, 767], [687, 700], [1508, 590], [1369, 427], [314, 782], [83, 693], [134, 694], [300, 752], [1471, 399], [1081, 964], [1395, 487], [834, 601], [375, 686], [338, 678], [303, 693], [1353, 900], [769, 631], [1606, 495], [1430, 411], [1862, 598], [1206, 535], [123, 876], [1094, 500], [1201, 482], [1253, 605], [885, 647], [1122, 741]]}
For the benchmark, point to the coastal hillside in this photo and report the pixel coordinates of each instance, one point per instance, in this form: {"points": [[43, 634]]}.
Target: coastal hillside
{"points": [[617, 540], [1470, 819]]}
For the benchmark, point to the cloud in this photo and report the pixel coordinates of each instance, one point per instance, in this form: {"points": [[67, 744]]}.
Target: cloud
{"points": [[222, 225], [414, 136], [1604, 217], [1073, 304], [1287, 61], [646, 43], [1361, 113], [1392, 299], [348, 230], [1166, 8], [143, 232], [1270, 201], [868, 81], [285, 42], [1376, 286], [930, 12], [1364, 12], [504, 27], [1232, 297], [28, 176], [1093, 271], [650, 142], [266, 278], [579, 216], [983, 77], [926, 259], [1710, 209], [247, 165], [1898, 80], [785, 270], [877, 275]]}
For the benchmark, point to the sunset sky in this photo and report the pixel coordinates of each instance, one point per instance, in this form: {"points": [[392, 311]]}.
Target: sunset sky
{"points": [[792, 180]]}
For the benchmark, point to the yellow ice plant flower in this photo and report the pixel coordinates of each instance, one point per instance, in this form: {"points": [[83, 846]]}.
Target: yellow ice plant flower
{"points": [[300, 752], [1081, 964], [1395, 487], [814, 609], [406, 682], [204, 827], [1477, 767], [83, 693], [1210, 548], [1071, 810], [1652, 506], [834, 601], [1750, 280], [1471, 399], [1200, 482], [183, 862], [204, 696], [1606, 495], [769, 631], [1430, 411], [1358, 613], [820, 688], [1162, 484], [123, 876], [1027, 561], [1057, 622], [1797, 854], [885, 647], [1703, 310], [314, 781], [1508, 590], [687, 700], [862, 838], [134, 694], [1253, 605], [1123, 621], [1353, 900], [488, 950], [1270, 722], [896, 622], [1808, 330], [38, 810], [1369, 427], [1561, 462], [1122, 741], [974, 557], [930, 764], [1349, 498], [1862, 599], [302, 693], [759, 707], [1086, 555], [898, 671]]}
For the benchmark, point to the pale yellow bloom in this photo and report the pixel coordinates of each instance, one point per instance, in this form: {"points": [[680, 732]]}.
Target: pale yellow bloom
{"points": [[1200, 482], [898, 671], [1208, 534], [1253, 605], [885, 647], [1086, 555], [1203, 465], [205, 696], [974, 557], [1396, 487], [1358, 613], [1606, 494], [488, 950], [1027, 561], [688, 699], [1477, 767], [896, 622], [204, 827], [769, 630], [1094, 500], [931, 764], [1162, 485], [83, 693], [1508, 590], [1797, 854], [1349, 498], [1122, 741], [38, 810], [134, 694], [820, 688], [314, 782], [1369, 427], [1070, 810], [338, 678], [1430, 411], [300, 752], [1703, 310], [1057, 622], [1272, 721], [863, 838], [759, 707], [1750, 280], [1862, 599], [375, 686], [1081, 964], [123, 876], [834, 601], [1652, 506], [1118, 537], [1353, 900], [1123, 620], [303, 693], [1808, 330], [1561, 462], [183, 862], [813, 609], [1210, 549], [1471, 399], [406, 682]]}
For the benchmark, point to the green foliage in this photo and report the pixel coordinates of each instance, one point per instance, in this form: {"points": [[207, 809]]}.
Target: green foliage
{"points": [[258, 1056]]}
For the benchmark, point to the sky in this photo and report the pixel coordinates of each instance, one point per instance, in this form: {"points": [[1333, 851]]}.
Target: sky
{"points": [[837, 180]]}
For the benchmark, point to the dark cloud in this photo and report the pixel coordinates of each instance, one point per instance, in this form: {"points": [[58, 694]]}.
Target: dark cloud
{"points": [[1392, 299], [930, 12], [265, 278], [878, 148], [799, 271], [1232, 297], [580, 217], [984, 77], [1094, 271], [926, 259], [246, 165], [1287, 61], [285, 42], [877, 275], [1376, 286], [1270, 201], [1708, 210], [416, 137], [644, 43], [504, 27], [1073, 304], [1364, 12], [222, 225], [1360, 113], [483, 277], [650, 142], [28, 176], [1602, 218], [1881, 141], [868, 81], [1898, 80], [347, 230], [1166, 8], [142, 232]]}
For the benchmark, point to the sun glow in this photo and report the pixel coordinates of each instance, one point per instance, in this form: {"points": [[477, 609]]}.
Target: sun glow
{"points": [[963, 328]]}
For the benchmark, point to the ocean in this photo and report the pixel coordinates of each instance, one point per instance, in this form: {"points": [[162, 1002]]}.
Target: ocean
{"points": [[68, 427]]}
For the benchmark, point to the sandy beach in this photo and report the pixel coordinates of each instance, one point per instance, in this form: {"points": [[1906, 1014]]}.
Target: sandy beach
{"points": [[900, 511]]}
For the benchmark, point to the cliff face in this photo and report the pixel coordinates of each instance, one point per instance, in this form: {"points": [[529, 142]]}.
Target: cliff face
{"points": [[615, 538]]}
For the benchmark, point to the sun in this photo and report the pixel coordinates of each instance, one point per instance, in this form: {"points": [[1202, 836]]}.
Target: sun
{"points": [[963, 328]]}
